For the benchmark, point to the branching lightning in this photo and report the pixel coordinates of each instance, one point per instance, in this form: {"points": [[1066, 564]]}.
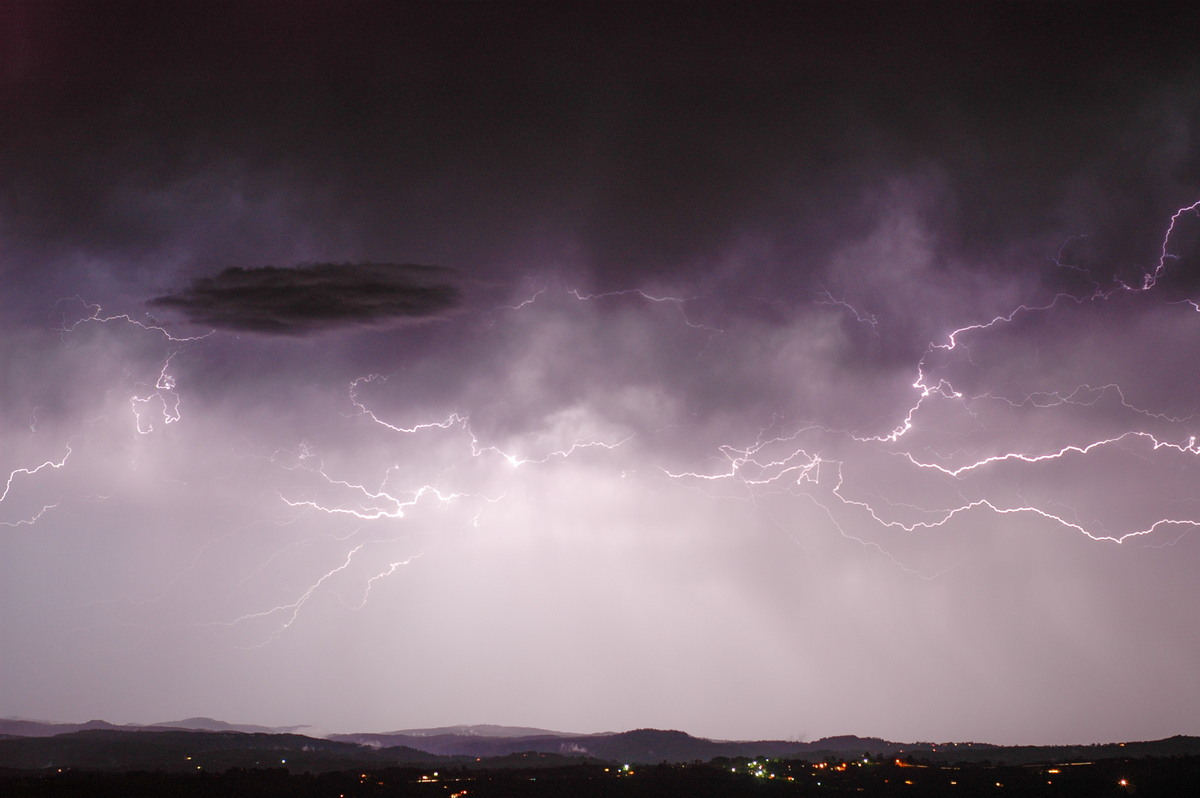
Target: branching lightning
{"points": [[826, 298], [819, 463], [291, 611], [800, 467], [16, 473], [679, 302], [94, 314], [163, 396], [162, 399]]}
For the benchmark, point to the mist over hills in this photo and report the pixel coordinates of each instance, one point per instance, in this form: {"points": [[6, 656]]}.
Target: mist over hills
{"points": [[639, 745], [484, 730]]}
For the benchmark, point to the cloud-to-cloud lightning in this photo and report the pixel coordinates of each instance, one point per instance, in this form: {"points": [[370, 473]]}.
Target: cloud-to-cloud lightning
{"points": [[771, 463], [760, 465], [445, 466], [783, 373]]}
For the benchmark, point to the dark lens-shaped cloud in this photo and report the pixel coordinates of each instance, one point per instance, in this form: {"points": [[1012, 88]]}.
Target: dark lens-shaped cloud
{"points": [[316, 297]]}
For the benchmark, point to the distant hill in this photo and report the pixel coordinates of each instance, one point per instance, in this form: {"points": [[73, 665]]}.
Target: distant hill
{"points": [[654, 745], [641, 745], [117, 750], [208, 724], [23, 727], [182, 746], [124, 749]]}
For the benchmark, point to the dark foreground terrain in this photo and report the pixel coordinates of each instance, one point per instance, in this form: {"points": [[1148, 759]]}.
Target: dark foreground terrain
{"points": [[1174, 776], [97, 759]]}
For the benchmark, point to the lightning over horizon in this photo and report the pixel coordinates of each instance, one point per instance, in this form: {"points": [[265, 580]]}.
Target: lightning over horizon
{"points": [[795, 463], [755, 371], [767, 464]]}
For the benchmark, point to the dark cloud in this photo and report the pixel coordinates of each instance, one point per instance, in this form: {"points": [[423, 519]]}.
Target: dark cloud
{"points": [[317, 297]]}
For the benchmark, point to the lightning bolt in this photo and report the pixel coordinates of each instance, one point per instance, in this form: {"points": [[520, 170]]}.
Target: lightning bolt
{"points": [[384, 574], [162, 398], [291, 610], [28, 472], [680, 303], [818, 463], [382, 503], [48, 465], [826, 298], [94, 314], [822, 476]]}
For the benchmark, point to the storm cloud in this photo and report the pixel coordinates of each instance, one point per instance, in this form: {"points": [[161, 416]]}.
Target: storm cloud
{"points": [[315, 297], [789, 369]]}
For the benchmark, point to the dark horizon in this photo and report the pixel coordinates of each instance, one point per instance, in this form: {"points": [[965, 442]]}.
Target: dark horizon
{"points": [[500, 740], [204, 723]]}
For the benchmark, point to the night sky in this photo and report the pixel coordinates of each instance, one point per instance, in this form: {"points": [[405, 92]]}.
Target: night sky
{"points": [[756, 370]]}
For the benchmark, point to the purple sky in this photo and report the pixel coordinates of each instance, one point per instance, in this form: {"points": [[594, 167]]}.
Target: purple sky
{"points": [[377, 366]]}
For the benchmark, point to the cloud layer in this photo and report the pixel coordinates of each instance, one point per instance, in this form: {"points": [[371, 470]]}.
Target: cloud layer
{"points": [[795, 371]]}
